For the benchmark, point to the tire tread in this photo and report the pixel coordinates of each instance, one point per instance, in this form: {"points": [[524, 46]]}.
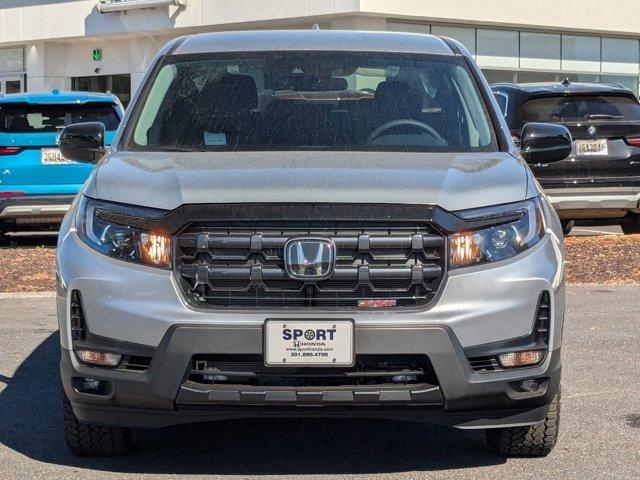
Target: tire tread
{"points": [[528, 441], [87, 440]]}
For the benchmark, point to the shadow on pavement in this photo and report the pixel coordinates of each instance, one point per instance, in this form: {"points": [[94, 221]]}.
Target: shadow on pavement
{"points": [[29, 239], [31, 424]]}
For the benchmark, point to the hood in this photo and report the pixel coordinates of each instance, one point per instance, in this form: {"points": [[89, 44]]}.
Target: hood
{"points": [[167, 180]]}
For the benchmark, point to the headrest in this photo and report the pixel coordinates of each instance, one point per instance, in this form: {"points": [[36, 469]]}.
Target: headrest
{"points": [[232, 94], [327, 85], [394, 90], [396, 99], [20, 122]]}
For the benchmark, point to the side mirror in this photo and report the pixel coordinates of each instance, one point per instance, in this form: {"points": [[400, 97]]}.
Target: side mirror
{"points": [[83, 142], [545, 143]]}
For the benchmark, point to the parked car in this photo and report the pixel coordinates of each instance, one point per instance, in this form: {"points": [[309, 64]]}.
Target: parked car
{"points": [[37, 184], [600, 181], [370, 246]]}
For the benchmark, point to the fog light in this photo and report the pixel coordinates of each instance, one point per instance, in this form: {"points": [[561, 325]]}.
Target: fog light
{"points": [[103, 359], [90, 384], [530, 385], [521, 359]]}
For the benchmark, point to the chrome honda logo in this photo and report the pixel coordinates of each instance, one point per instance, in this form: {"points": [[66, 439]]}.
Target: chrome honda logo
{"points": [[309, 258], [592, 130]]}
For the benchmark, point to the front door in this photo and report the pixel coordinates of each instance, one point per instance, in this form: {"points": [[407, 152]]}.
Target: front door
{"points": [[11, 84]]}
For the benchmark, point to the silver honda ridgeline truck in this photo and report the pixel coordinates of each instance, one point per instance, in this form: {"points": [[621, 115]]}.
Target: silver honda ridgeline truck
{"points": [[312, 223]]}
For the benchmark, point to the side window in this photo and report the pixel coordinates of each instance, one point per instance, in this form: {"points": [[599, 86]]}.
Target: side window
{"points": [[502, 100]]}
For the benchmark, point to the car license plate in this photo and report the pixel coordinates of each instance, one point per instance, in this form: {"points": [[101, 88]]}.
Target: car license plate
{"points": [[52, 156], [591, 147], [309, 343]]}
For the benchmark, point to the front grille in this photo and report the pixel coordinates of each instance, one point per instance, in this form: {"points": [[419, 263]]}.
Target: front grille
{"points": [[242, 266], [134, 363], [369, 370], [215, 381], [542, 317], [484, 364]]}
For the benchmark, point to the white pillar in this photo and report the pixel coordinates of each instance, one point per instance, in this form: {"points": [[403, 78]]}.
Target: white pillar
{"points": [[34, 65], [45, 67]]}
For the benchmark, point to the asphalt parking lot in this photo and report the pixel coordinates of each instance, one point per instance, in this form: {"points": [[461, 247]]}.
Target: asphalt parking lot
{"points": [[600, 434]]}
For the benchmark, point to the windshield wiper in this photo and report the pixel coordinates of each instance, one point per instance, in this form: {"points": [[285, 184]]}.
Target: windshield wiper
{"points": [[178, 149], [604, 116]]}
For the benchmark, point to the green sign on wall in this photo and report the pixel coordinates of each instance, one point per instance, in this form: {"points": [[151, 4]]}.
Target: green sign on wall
{"points": [[97, 54]]}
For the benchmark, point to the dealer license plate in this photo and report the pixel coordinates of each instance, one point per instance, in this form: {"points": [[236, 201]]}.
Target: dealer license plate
{"points": [[52, 156], [309, 342], [591, 147]]}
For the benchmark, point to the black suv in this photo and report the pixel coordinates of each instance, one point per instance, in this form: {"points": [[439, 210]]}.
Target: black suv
{"points": [[600, 180]]}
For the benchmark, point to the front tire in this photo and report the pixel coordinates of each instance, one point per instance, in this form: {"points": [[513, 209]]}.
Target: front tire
{"points": [[631, 224], [4, 239], [567, 226], [87, 440], [530, 441]]}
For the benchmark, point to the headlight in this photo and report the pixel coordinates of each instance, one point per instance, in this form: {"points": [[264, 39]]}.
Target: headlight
{"points": [[120, 241], [523, 230]]}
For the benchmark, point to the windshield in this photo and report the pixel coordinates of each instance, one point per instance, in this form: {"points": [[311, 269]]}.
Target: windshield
{"points": [[580, 108], [313, 100], [25, 118]]}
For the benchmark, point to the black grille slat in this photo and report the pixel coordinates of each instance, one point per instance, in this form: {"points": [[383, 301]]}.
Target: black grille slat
{"points": [[484, 364], [135, 363], [543, 314], [242, 266], [77, 318]]}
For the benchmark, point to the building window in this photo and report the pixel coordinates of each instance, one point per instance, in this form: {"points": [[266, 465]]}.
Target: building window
{"points": [[521, 57], [466, 36], [407, 27], [499, 76], [534, 77], [119, 85], [539, 51], [580, 77], [580, 54], [12, 74], [625, 80], [620, 56], [11, 60], [497, 48]]}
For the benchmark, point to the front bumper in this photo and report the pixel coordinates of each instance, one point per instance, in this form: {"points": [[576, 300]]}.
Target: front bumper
{"points": [[143, 309], [594, 202], [462, 398], [29, 208]]}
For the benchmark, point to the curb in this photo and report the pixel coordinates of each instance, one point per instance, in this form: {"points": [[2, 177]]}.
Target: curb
{"points": [[12, 295]]}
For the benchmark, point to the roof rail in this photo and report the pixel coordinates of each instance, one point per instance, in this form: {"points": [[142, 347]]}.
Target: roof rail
{"points": [[615, 84]]}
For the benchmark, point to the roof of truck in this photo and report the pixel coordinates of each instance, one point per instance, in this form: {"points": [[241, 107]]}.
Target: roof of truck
{"points": [[331, 40], [57, 97]]}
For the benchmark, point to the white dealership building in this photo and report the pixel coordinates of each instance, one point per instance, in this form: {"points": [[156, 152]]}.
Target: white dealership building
{"points": [[100, 45]]}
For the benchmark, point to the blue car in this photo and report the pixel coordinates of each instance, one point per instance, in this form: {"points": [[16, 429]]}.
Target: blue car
{"points": [[37, 184]]}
